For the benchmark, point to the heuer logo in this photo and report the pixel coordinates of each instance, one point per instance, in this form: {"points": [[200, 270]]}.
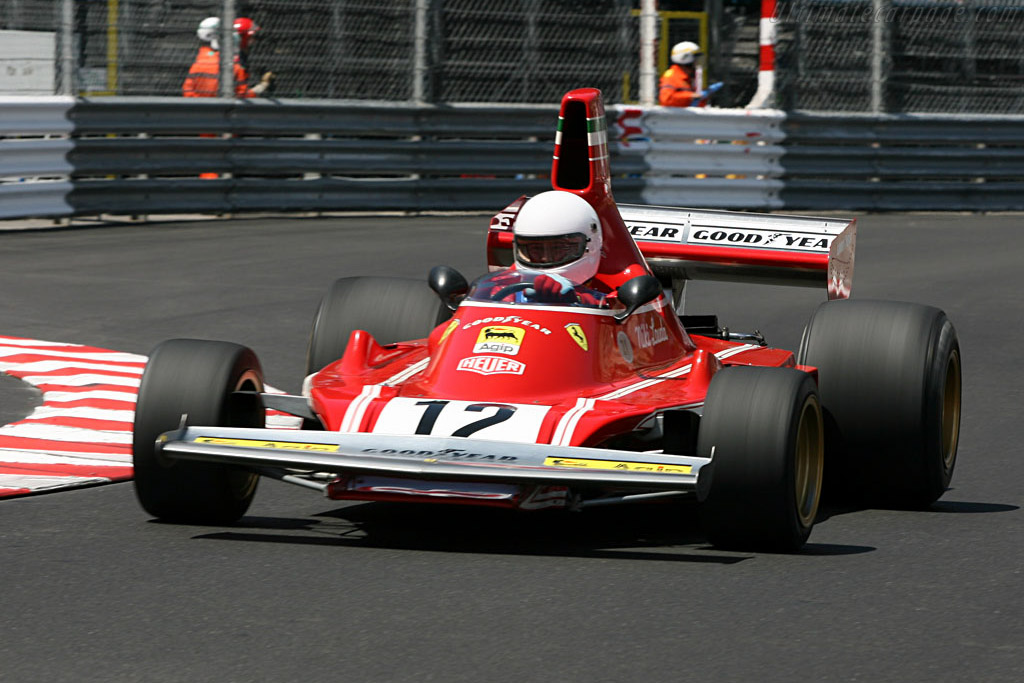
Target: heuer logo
{"points": [[491, 365], [499, 339]]}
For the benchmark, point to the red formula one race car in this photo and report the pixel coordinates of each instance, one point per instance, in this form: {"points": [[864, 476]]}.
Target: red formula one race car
{"points": [[548, 383]]}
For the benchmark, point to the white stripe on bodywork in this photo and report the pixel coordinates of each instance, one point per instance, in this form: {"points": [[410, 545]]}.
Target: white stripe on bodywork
{"points": [[566, 428], [357, 408], [567, 425], [678, 372], [407, 373]]}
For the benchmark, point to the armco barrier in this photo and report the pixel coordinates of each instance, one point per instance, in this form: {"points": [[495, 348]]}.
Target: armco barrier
{"points": [[903, 162], [61, 157], [33, 156]]}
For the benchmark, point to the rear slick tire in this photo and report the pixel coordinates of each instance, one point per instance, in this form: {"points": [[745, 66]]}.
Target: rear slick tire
{"points": [[390, 309], [763, 430], [889, 377], [196, 378]]}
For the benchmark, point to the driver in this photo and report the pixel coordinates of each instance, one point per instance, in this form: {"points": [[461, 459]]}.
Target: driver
{"points": [[558, 241]]}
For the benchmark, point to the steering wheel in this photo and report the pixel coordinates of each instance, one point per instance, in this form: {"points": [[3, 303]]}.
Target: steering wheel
{"points": [[510, 289], [520, 286]]}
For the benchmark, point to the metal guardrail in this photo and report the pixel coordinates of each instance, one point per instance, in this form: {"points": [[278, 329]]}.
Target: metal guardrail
{"points": [[29, 199], [34, 157], [175, 115], [62, 157], [903, 162], [34, 145], [35, 115]]}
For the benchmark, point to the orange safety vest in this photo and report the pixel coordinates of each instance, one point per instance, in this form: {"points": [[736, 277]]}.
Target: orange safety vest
{"points": [[204, 76], [675, 88]]}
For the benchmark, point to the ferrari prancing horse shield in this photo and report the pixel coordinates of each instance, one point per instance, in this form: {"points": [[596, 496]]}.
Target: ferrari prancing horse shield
{"points": [[576, 332]]}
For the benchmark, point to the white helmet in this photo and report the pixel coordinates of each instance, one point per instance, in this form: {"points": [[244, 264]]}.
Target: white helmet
{"points": [[209, 31], [685, 52], [558, 233]]}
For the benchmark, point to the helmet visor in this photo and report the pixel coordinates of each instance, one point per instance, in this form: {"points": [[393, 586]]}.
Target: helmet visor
{"points": [[550, 251]]}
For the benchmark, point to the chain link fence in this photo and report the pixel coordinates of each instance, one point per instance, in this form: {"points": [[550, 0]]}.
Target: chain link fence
{"points": [[833, 55], [950, 56]]}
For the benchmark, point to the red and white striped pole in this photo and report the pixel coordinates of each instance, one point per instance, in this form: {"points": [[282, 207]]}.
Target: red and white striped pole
{"points": [[766, 75]]}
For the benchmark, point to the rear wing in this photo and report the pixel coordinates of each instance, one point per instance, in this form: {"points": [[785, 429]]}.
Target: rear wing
{"points": [[700, 244]]}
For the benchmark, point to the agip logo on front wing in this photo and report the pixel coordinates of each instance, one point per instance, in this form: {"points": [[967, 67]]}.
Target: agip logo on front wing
{"points": [[581, 463], [499, 339]]}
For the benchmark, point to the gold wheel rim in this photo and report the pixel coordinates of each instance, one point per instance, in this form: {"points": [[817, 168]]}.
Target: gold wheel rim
{"points": [[951, 411], [810, 462]]}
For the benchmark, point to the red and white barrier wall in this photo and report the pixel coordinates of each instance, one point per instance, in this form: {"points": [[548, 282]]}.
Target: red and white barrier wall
{"points": [[82, 433], [768, 35]]}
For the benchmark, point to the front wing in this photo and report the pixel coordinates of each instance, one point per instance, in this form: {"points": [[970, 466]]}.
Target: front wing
{"points": [[436, 458]]}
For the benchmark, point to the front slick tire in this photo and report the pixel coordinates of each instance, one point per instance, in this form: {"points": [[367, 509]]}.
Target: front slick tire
{"points": [[195, 378], [889, 376], [762, 428]]}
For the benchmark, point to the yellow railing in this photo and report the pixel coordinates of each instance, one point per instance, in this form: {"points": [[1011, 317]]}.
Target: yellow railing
{"points": [[113, 11]]}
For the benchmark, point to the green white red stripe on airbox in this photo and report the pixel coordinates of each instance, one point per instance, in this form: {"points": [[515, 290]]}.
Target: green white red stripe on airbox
{"points": [[597, 137]]}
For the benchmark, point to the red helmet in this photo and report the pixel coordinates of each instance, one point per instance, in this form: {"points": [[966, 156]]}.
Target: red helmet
{"points": [[246, 30]]}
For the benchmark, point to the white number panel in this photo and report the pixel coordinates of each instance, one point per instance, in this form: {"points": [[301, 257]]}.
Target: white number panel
{"points": [[478, 419]]}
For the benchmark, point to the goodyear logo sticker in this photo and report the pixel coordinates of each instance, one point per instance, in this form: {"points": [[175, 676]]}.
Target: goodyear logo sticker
{"points": [[279, 445], [617, 465], [499, 339], [578, 336]]}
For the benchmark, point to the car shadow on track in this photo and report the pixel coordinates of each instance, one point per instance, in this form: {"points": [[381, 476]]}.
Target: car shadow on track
{"points": [[835, 509], [667, 532]]}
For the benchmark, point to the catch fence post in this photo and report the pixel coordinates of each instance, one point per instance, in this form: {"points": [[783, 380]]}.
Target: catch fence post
{"points": [[227, 49]]}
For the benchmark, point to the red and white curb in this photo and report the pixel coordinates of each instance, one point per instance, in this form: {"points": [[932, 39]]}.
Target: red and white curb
{"points": [[82, 434]]}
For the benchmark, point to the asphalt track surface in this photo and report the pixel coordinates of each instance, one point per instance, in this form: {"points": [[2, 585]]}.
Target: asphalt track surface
{"points": [[310, 589]]}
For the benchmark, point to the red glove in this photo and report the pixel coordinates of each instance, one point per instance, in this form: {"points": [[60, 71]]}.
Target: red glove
{"points": [[550, 290], [588, 299]]}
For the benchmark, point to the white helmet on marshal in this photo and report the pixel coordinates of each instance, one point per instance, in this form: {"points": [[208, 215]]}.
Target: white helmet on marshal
{"points": [[558, 233], [685, 52], [209, 31]]}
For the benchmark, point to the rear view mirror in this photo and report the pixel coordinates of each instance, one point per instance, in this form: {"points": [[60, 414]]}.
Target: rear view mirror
{"points": [[449, 284], [637, 292]]}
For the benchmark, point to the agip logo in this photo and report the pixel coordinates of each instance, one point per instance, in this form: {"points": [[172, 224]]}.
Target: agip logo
{"points": [[499, 339]]}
